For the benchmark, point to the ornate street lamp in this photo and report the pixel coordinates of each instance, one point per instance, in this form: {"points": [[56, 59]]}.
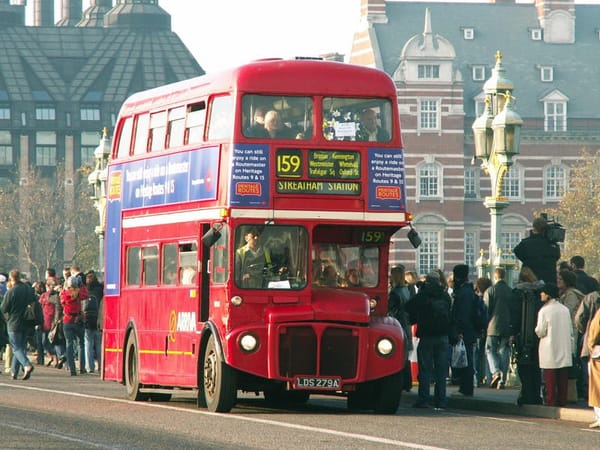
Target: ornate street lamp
{"points": [[497, 136], [97, 179]]}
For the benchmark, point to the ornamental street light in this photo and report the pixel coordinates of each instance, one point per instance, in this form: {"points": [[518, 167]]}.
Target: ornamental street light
{"points": [[97, 179], [497, 136]]}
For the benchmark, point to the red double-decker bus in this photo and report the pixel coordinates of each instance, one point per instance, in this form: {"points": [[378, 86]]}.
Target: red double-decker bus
{"points": [[249, 217]]}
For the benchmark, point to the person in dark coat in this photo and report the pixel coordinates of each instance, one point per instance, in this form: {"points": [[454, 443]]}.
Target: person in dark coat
{"points": [[398, 298], [539, 253], [14, 304], [526, 304], [463, 315], [432, 350], [584, 282]]}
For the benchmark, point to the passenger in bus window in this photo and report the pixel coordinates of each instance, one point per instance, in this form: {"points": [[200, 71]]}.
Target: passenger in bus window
{"points": [[329, 277], [276, 128], [257, 129], [369, 130], [251, 261], [352, 278]]}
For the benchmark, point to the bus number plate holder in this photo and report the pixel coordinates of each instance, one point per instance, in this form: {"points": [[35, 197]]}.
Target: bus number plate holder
{"points": [[317, 383]]}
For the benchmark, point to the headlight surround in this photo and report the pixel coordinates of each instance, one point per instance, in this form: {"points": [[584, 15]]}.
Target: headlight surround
{"points": [[372, 304], [248, 342], [385, 347], [236, 300]]}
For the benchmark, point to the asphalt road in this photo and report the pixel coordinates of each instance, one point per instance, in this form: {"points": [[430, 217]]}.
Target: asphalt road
{"points": [[54, 410]]}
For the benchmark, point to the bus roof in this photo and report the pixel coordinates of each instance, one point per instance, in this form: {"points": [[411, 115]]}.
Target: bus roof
{"points": [[271, 76]]}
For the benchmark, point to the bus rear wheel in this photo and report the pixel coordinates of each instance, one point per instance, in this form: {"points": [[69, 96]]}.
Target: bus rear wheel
{"points": [[218, 380], [132, 375]]}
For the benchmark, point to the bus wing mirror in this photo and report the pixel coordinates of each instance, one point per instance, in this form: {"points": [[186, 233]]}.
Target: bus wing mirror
{"points": [[413, 237], [211, 237]]}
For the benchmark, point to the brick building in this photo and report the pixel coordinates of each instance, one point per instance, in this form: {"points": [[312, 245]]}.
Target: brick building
{"points": [[440, 55]]}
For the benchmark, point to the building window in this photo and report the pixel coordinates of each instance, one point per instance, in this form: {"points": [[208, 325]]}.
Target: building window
{"points": [[429, 176], [428, 253], [471, 182], [4, 112], [428, 71], [89, 143], [471, 248], [511, 187], [555, 116], [428, 114], [45, 113], [45, 148], [478, 73], [468, 34], [509, 240], [555, 182], [547, 74], [536, 34], [6, 150], [90, 114]]}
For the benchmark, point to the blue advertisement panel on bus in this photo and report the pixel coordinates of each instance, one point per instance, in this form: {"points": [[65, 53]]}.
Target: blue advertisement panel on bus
{"points": [[168, 179], [386, 179], [250, 181]]}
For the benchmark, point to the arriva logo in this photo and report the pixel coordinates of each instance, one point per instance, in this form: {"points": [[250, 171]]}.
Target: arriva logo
{"points": [[186, 321], [181, 321]]}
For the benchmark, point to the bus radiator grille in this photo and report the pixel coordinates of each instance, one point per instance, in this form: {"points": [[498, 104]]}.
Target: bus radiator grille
{"points": [[298, 352]]}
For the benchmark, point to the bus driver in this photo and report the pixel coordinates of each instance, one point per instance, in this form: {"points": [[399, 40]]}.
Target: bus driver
{"points": [[250, 261]]}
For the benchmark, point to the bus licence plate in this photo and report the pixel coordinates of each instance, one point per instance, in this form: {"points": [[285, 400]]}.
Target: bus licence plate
{"points": [[317, 383]]}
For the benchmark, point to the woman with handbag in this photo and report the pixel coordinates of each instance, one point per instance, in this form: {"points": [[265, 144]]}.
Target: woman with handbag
{"points": [[73, 323], [593, 343]]}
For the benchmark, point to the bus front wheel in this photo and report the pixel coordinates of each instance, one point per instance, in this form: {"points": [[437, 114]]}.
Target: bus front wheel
{"points": [[132, 375], [388, 394], [218, 380]]}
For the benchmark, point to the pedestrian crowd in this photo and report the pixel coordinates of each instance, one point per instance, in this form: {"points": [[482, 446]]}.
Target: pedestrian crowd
{"points": [[58, 322], [545, 329]]}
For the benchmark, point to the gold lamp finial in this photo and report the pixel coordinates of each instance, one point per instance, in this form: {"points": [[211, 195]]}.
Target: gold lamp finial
{"points": [[498, 56]]}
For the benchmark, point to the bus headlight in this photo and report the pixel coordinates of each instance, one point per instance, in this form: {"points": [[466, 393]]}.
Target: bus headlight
{"points": [[248, 342], [372, 304], [385, 346], [236, 300]]}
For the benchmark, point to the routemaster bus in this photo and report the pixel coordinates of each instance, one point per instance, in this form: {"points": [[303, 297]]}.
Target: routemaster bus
{"points": [[249, 217]]}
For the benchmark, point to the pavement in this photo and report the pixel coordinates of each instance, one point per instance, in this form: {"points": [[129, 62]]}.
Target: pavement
{"points": [[504, 401]]}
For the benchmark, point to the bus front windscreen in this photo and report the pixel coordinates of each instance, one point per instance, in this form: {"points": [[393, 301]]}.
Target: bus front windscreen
{"points": [[271, 257]]}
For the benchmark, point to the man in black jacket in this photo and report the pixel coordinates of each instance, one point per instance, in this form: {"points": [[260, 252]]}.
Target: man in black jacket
{"points": [[14, 305], [538, 253], [584, 283], [430, 310]]}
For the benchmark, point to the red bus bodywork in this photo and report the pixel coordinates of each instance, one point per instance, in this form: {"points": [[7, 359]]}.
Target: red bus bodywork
{"points": [[287, 339]]}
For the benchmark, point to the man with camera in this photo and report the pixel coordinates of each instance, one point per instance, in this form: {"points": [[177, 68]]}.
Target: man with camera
{"points": [[538, 252]]}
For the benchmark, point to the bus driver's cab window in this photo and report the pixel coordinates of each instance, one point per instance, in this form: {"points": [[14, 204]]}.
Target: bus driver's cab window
{"points": [[270, 257]]}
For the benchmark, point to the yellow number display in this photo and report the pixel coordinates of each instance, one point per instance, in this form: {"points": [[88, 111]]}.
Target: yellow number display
{"points": [[289, 164]]}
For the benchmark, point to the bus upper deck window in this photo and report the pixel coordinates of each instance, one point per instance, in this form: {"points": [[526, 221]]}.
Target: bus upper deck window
{"points": [[176, 127], [125, 138], [196, 116], [221, 118], [277, 117], [357, 119], [140, 145], [158, 131]]}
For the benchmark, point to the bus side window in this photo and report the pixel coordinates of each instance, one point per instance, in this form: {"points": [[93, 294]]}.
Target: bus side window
{"points": [[219, 257], [176, 127], [158, 131], [188, 262], [133, 266], [169, 264], [125, 138], [220, 123], [196, 116], [140, 145], [150, 266]]}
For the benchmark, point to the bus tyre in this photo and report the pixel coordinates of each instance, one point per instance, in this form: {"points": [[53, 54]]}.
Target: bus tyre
{"points": [[362, 398], [388, 393], [218, 380], [132, 375]]}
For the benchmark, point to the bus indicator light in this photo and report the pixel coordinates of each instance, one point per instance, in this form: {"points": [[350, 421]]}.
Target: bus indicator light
{"points": [[248, 189], [388, 192]]}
